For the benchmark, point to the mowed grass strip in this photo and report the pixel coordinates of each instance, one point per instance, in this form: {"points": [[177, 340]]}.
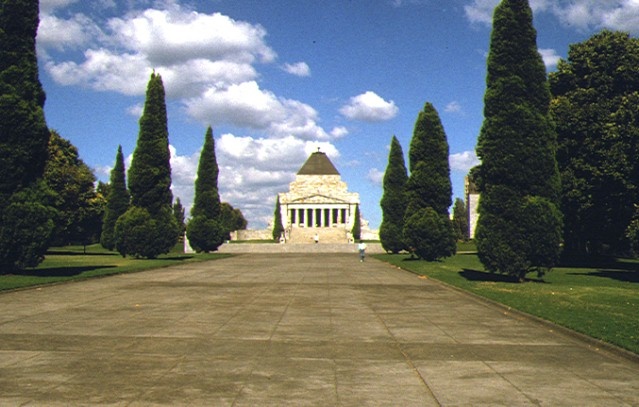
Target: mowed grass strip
{"points": [[600, 300], [74, 263]]}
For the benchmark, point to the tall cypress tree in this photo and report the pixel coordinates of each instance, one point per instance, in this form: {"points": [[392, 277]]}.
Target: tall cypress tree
{"points": [[150, 172], [149, 228], [25, 215], [205, 230], [278, 228], [519, 227], [357, 225], [429, 190], [117, 201], [393, 201], [207, 197]]}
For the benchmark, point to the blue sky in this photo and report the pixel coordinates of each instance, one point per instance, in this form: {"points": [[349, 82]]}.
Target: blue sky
{"points": [[278, 79]]}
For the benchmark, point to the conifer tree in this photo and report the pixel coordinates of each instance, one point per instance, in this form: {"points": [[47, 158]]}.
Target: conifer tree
{"points": [[357, 225], [460, 220], [393, 201], [429, 190], [25, 212], [117, 201], [149, 228], [179, 213], [205, 230], [517, 146], [278, 228]]}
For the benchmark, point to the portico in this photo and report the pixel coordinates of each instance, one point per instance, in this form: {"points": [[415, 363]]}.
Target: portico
{"points": [[319, 200]]}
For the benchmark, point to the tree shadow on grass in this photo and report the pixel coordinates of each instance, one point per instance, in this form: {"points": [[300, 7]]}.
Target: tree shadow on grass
{"points": [[627, 276], [58, 271], [483, 276], [605, 267]]}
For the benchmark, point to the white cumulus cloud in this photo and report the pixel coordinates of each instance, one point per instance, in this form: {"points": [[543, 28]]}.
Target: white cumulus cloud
{"points": [[369, 107], [463, 161], [581, 14], [298, 69], [550, 57]]}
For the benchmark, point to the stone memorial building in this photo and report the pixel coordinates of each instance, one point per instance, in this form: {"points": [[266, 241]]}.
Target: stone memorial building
{"points": [[318, 204]]}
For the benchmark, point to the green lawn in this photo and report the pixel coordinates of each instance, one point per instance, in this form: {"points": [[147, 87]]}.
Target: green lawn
{"points": [[72, 263], [600, 300]]}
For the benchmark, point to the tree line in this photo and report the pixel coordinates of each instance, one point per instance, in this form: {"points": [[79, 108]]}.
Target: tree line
{"points": [[48, 194], [559, 155], [560, 166]]}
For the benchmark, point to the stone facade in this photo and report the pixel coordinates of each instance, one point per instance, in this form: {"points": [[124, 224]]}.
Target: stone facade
{"points": [[318, 206]]}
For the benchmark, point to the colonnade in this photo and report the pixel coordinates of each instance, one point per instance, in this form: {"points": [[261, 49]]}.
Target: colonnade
{"points": [[319, 216]]}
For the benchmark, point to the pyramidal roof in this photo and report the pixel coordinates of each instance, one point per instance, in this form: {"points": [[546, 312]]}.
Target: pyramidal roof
{"points": [[318, 164]]}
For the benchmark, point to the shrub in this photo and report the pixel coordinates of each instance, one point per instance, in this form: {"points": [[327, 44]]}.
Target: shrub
{"points": [[205, 234], [140, 235], [429, 235]]}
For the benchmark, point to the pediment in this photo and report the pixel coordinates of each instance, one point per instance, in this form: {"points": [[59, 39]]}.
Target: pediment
{"points": [[319, 198]]}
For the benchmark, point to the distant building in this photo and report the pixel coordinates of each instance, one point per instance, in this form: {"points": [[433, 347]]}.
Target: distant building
{"points": [[318, 203], [318, 206]]}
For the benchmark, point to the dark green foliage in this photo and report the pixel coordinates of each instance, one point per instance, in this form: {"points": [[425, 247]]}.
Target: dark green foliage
{"points": [[205, 234], [393, 201], [150, 172], [139, 234], [179, 213], [517, 146], [118, 200], [232, 218], [148, 228], [278, 228], [207, 197], [79, 207], [429, 182], [26, 227], [23, 130], [206, 231], [428, 187], [429, 235], [356, 232], [460, 220], [595, 99], [23, 139]]}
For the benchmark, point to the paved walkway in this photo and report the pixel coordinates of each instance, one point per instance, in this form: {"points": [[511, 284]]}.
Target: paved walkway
{"points": [[290, 329]]}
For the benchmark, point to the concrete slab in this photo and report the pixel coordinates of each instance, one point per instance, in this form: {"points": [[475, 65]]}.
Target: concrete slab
{"points": [[291, 329]]}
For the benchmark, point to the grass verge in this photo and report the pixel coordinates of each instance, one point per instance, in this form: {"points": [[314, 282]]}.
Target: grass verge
{"points": [[600, 300], [76, 263]]}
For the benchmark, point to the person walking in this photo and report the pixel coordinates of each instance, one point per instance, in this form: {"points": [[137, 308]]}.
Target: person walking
{"points": [[361, 247]]}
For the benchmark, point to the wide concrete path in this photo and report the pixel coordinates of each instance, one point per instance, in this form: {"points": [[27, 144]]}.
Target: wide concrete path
{"points": [[290, 329]]}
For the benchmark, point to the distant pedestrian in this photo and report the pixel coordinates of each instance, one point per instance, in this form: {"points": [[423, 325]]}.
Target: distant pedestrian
{"points": [[362, 250]]}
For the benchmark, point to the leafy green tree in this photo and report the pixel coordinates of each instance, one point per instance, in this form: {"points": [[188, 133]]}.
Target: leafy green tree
{"points": [[429, 246], [460, 220], [517, 146], [428, 185], [356, 232], [150, 184], [78, 205], [179, 213], [278, 228], [24, 138], [118, 200], [393, 201], [231, 219], [595, 98], [205, 230]]}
